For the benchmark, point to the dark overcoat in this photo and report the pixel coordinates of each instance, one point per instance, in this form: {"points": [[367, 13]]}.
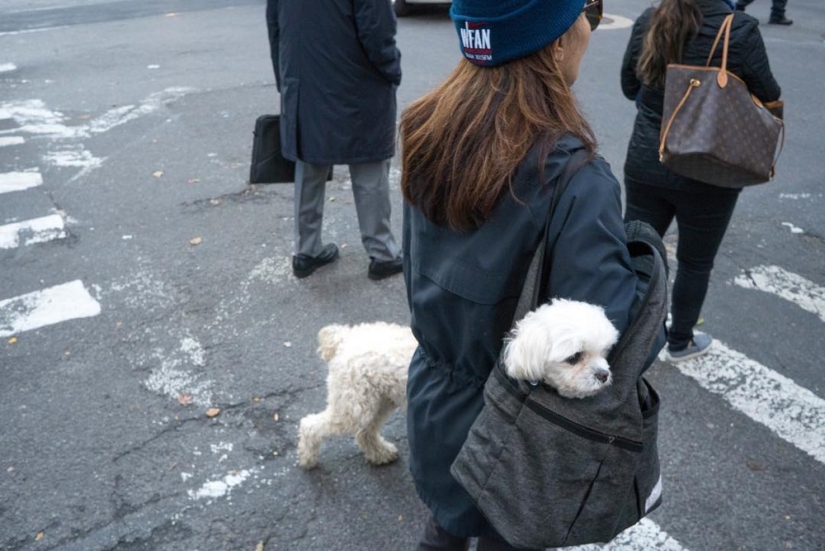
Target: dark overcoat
{"points": [[747, 59], [337, 68], [463, 288]]}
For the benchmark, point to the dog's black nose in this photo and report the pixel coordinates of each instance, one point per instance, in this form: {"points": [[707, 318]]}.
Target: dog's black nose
{"points": [[602, 376]]}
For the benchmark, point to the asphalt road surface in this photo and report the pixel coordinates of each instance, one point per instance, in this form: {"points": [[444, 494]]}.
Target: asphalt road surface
{"points": [[143, 282]]}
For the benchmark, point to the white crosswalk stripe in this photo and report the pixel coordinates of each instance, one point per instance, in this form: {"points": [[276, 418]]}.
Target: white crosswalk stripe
{"points": [[11, 140], [28, 232], [645, 536], [794, 413], [46, 307], [18, 181], [792, 287]]}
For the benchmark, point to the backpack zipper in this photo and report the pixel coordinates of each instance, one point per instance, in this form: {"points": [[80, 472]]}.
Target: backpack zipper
{"points": [[565, 423]]}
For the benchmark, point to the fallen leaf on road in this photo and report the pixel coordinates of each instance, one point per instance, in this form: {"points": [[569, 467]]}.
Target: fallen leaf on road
{"points": [[400, 518], [288, 344], [275, 417], [196, 241], [40, 535], [213, 412], [260, 546], [184, 399], [157, 173], [12, 340], [215, 201], [754, 466], [256, 399]]}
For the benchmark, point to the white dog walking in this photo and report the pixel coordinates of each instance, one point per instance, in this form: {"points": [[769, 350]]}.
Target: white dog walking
{"points": [[367, 381]]}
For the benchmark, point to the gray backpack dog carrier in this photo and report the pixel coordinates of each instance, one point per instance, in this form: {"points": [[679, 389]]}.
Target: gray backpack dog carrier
{"points": [[549, 471]]}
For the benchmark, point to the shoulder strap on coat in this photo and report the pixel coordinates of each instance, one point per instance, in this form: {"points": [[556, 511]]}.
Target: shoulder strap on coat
{"points": [[535, 282]]}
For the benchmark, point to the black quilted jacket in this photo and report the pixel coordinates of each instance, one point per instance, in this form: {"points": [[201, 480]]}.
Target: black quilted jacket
{"points": [[747, 59]]}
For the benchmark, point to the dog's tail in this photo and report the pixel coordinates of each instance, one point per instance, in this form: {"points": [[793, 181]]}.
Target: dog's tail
{"points": [[329, 337]]}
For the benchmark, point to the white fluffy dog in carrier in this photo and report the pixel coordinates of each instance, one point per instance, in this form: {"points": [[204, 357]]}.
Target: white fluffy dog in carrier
{"points": [[367, 381], [563, 344]]}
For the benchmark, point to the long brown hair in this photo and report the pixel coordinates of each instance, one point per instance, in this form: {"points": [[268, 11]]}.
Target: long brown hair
{"points": [[673, 23], [463, 141]]}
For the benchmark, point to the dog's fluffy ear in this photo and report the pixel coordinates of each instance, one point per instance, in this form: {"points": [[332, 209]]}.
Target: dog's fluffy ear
{"points": [[526, 351], [329, 337]]}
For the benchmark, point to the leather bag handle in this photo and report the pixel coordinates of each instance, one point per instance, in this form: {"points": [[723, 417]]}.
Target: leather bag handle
{"points": [[693, 84], [725, 25]]}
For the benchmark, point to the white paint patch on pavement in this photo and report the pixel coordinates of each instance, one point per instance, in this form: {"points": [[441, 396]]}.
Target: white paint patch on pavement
{"points": [[18, 181], [7, 67], [794, 196], [613, 22], [46, 307], [12, 140], [270, 270], [794, 413], [76, 156], [644, 536], [121, 115], [794, 229], [219, 488], [28, 232], [171, 379], [33, 117], [792, 287]]}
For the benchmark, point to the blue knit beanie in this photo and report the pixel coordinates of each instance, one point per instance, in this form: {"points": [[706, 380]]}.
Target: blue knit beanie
{"points": [[492, 32]]}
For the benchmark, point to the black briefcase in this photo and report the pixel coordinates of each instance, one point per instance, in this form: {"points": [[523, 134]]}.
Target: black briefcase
{"points": [[268, 164]]}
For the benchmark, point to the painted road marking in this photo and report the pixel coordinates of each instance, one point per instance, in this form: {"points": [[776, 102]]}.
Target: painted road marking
{"points": [[794, 413], [36, 230], [7, 67], [642, 537], [46, 307], [18, 181], [613, 22], [13, 140], [794, 288]]}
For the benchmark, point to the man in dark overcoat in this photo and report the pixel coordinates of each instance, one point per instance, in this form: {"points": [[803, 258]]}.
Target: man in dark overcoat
{"points": [[337, 69]]}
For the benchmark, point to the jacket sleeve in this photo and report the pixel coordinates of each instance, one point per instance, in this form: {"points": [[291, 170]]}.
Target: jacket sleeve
{"points": [[590, 261], [375, 22], [756, 70], [630, 81], [274, 37]]}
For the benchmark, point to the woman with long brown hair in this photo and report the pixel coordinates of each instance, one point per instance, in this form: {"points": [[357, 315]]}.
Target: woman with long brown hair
{"points": [[683, 31], [480, 154]]}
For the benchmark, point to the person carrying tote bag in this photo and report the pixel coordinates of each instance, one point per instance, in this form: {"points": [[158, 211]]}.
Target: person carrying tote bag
{"points": [[713, 130], [683, 32]]}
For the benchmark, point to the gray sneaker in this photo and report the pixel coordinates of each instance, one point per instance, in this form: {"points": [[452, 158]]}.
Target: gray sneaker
{"points": [[700, 344]]}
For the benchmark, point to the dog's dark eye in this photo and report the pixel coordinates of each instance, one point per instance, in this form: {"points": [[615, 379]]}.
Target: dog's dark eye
{"points": [[574, 359]]}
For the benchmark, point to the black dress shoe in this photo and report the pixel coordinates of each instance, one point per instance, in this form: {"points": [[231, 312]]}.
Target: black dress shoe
{"points": [[381, 270], [304, 265], [780, 21]]}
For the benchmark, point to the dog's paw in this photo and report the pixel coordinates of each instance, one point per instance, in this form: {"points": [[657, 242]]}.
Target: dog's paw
{"points": [[307, 462], [383, 454]]}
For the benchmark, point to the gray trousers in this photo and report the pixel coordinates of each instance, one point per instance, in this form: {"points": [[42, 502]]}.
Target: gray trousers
{"points": [[371, 188], [777, 7]]}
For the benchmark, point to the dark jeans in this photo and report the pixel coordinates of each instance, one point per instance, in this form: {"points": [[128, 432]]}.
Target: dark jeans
{"points": [[435, 538], [777, 7], [702, 218]]}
